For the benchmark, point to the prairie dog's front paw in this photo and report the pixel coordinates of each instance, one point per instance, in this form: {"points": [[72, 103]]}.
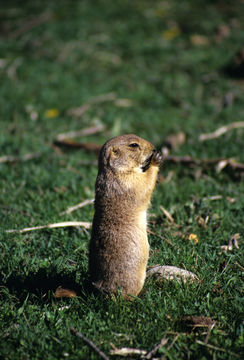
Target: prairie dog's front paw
{"points": [[157, 158]]}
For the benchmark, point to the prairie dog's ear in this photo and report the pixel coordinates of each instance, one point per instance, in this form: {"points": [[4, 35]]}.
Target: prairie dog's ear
{"points": [[114, 151], [109, 155], [112, 155], [104, 157]]}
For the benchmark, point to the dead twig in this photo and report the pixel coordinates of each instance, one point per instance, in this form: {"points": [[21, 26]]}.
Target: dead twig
{"points": [[222, 130], [150, 354], [65, 139], [198, 321], [13, 159], [190, 161], [29, 24], [185, 160], [90, 343], [216, 348], [84, 224], [78, 206], [70, 144], [78, 111], [83, 132]]}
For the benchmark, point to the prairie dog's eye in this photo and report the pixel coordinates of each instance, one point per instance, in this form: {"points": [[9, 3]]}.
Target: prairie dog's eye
{"points": [[134, 145]]}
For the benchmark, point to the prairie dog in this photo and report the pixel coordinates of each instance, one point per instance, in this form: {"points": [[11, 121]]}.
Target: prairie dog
{"points": [[118, 254]]}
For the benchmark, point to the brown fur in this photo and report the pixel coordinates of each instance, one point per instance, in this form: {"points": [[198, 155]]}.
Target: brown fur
{"points": [[119, 247]]}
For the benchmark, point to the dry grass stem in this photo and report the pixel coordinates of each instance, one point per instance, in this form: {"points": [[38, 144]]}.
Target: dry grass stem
{"points": [[167, 214], [168, 177], [173, 342], [150, 354], [12, 159], [78, 206], [172, 273], [79, 111], [233, 242], [219, 197], [213, 198], [84, 224], [90, 343], [102, 98], [123, 103], [210, 328], [174, 141], [239, 265], [128, 352], [222, 130]]}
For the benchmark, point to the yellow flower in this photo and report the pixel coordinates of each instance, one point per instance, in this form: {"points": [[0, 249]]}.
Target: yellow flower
{"points": [[51, 113], [171, 33], [193, 237]]}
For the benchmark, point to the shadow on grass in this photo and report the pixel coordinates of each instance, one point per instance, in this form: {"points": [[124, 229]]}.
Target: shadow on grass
{"points": [[47, 280]]}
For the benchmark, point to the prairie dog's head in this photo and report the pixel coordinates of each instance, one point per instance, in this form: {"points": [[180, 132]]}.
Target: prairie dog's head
{"points": [[126, 153]]}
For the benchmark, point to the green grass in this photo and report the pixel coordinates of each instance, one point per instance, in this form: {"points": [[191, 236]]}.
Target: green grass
{"points": [[86, 49]]}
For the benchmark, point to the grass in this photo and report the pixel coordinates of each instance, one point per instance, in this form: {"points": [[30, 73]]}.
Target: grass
{"points": [[173, 80]]}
